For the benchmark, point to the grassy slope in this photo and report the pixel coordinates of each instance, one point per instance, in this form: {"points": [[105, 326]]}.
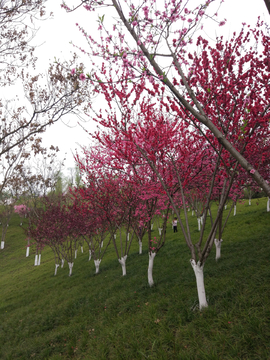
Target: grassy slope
{"points": [[107, 316]]}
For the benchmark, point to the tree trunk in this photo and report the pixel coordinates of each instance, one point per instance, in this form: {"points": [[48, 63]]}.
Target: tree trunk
{"points": [[268, 205], [97, 262], [36, 260], [70, 265], [122, 261], [62, 263], [198, 270], [2, 245], [199, 224], [150, 268], [39, 259], [90, 254], [56, 267], [218, 248], [140, 247], [75, 256], [27, 251], [234, 210]]}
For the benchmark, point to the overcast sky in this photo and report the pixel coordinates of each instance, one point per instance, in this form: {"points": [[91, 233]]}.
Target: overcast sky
{"points": [[54, 39]]}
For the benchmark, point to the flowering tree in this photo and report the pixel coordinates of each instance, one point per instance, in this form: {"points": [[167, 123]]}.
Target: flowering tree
{"points": [[152, 45], [22, 124]]}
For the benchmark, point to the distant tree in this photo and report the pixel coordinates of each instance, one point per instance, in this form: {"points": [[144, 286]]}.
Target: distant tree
{"points": [[22, 123]]}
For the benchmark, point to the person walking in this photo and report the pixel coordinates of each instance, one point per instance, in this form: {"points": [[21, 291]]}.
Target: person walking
{"points": [[175, 225]]}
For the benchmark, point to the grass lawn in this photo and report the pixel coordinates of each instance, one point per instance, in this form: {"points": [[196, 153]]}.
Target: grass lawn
{"points": [[107, 316]]}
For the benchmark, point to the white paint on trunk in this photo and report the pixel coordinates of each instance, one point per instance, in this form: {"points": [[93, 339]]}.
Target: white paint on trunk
{"points": [[82, 249], [152, 225], [27, 251], [90, 254], [56, 267], [159, 230], [234, 210], [21, 224], [2, 245], [36, 260], [249, 202], [150, 268], [140, 247], [199, 224], [39, 259], [75, 256], [62, 263], [226, 207], [101, 245], [201, 220], [97, 262], [268, 205], [192, 212], [198, 270], [218, 248], [70, 265], [127, 236], [122, 261]]}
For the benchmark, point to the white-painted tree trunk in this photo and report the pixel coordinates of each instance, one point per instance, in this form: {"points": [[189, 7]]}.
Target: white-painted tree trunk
{"points": [[39, 259], [150, 268], [234, 210], [97, 263], [36, 260], [114, 236], [198, 270], [226, 207], [70, 265], [62, 263], [127, 236], [201, 220], [82, 249], [199, 224], [75, 255], [27, 251], [152, 225], [101, 245], [56, 267], [249, 202], [2, 245], [122, 261], [140, 247], [218, 248], [192, 213], [268, 205], [90, 254], [159, 230]]}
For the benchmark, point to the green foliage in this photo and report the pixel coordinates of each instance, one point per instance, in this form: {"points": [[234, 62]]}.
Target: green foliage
{"points": [[107, 316]]}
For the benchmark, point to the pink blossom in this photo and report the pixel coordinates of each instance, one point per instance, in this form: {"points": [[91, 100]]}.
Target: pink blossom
{"points": [[73, 71], [252, 171], [222, 23], [82, 77]]}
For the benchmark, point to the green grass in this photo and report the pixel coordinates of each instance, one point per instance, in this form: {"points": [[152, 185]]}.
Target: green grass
{"points": [[107, 316]]}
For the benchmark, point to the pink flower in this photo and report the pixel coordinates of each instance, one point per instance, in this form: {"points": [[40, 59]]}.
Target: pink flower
{"points": [[252, 171], [82, 77], [222, 23], [73, 71]]}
